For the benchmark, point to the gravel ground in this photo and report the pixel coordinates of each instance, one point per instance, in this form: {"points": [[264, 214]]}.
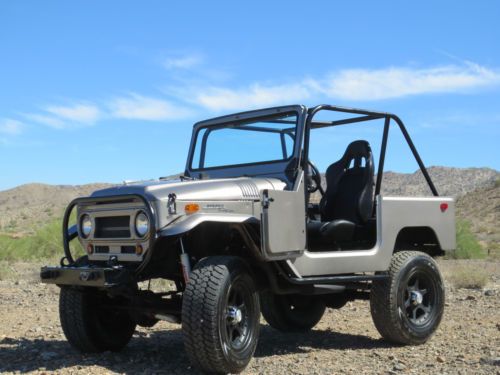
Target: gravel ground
{"points": [[345, 341]]}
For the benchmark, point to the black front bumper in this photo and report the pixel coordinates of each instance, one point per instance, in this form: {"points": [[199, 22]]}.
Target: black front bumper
{"points": [[86, 276]]}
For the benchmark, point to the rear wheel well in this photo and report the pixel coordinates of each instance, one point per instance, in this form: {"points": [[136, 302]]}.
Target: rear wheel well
{"points": [[418, 238]]}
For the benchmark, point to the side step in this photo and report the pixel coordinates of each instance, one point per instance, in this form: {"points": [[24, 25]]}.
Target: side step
{"points": [[339, 280]]}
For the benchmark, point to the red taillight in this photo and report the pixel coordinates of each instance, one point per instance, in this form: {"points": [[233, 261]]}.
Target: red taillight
{"points": [[90, 249], [443, 207]]}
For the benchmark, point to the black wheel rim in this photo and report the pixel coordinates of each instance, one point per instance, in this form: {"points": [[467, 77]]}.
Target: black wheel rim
{"points": [[237, 325], [419, 299]]}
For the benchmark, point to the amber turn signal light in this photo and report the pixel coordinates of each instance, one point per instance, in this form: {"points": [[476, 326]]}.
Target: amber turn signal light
{"points": [[138, 249], [191, 208]]}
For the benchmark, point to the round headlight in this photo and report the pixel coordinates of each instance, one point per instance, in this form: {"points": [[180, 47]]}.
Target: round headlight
{"points": [[85, 225], [141, 224]]}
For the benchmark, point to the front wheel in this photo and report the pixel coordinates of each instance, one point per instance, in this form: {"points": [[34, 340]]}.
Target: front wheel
{"points": [[220, 315], [408, 306], [93, 322]]}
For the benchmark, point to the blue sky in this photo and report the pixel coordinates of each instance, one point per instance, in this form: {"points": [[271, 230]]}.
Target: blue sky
{"points": [[106, 91]]}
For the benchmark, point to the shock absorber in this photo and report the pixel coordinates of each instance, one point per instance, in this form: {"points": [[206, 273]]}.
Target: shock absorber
{"points": [[185, 263]]}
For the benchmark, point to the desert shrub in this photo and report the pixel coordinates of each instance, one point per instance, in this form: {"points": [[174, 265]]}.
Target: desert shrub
{"points": [[468, 247], [470, 276], [45, 244]]}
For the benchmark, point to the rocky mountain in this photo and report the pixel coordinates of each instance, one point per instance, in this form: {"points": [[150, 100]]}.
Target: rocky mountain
{"points": [[481, 208], [448, 181], [25, 208]]}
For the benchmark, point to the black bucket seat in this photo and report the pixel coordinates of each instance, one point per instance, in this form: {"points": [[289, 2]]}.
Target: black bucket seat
{"points": [[348, 200]]}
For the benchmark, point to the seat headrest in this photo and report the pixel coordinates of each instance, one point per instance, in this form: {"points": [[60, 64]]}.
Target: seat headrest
{"points": [[357, 150]]}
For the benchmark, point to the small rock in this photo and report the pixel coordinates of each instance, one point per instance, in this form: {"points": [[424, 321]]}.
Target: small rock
{"points": [[440, 359], [470, 298], [399, 366], [489, 293], [493, 361]]}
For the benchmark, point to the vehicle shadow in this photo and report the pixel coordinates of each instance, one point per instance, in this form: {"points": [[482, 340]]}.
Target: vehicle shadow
{"points": [[273, 342], [161, 351]]}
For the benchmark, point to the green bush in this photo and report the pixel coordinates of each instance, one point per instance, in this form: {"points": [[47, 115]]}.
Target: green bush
{"points": [[45, 244], [468, 246]]}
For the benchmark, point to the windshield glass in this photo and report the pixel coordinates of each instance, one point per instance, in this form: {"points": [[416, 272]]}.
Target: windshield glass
{"points": [[262, 140]]}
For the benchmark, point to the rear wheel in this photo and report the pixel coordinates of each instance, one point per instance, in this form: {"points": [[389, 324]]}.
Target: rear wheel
{"points": [[220, 315], [93, 322], [291, 313], [407, 308]]}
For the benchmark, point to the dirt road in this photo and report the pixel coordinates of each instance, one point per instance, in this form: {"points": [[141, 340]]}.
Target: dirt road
{"points": [[345, 341]]}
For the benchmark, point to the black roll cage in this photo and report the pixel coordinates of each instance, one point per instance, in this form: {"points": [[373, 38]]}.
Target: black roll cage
{"points": [[365, 115], [303, 127]]}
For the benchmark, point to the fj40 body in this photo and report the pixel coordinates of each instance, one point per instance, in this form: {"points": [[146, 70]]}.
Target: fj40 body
{"points": [[253, 227]]}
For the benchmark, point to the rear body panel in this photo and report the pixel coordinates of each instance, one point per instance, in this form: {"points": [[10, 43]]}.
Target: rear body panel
{"points": [[393, 214]]}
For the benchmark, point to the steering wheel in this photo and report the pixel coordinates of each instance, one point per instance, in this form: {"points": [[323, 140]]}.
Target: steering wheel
{"points": [[313, 179]]}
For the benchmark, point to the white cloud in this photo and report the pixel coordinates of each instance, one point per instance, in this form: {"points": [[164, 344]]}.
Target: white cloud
{"points": [[63, 117], [81, 113], [11, 127], [51, 121], [379, 84], [349, 84], [256, 95], [182, 62], [138, 107]]}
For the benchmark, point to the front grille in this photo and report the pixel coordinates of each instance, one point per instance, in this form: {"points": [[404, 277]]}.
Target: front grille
{"points": [[101, 249], [112, 227], [128, 249]]}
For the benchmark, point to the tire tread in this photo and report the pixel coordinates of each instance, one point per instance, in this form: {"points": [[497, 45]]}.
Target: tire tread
{"points": [[383, 301]]}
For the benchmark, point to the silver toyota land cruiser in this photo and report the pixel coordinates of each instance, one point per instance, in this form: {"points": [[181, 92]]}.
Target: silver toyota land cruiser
{"points": [[253, 227]]}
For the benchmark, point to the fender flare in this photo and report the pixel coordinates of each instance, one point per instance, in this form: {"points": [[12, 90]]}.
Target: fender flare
{"points": [[182, 226]]}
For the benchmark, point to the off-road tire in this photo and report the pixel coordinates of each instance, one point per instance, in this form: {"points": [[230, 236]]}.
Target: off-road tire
{"points": [[291, 313], [88, 325], [392, 305], [210, 336]]}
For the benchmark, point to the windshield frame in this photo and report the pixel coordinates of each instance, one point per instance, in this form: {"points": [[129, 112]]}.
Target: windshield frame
{"points": [[272, 168]]}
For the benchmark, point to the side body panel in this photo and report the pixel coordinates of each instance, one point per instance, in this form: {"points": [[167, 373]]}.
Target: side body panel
{"points": [[393, 214]]}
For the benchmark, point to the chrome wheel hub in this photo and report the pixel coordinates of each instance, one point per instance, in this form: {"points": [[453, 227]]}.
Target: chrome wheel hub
{"points": [[416, 297], [234, 315]]}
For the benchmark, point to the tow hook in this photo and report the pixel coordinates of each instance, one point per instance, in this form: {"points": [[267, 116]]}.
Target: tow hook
{"points": [[88, 275]]}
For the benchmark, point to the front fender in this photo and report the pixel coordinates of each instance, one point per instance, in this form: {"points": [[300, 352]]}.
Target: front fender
{"points": [[192, 221]]}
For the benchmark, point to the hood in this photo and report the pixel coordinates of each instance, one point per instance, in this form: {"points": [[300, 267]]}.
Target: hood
{"points": [[216, 189]]}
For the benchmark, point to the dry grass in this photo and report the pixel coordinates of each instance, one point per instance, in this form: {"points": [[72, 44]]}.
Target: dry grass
{"points": [[468, 274], [6, 271]]}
